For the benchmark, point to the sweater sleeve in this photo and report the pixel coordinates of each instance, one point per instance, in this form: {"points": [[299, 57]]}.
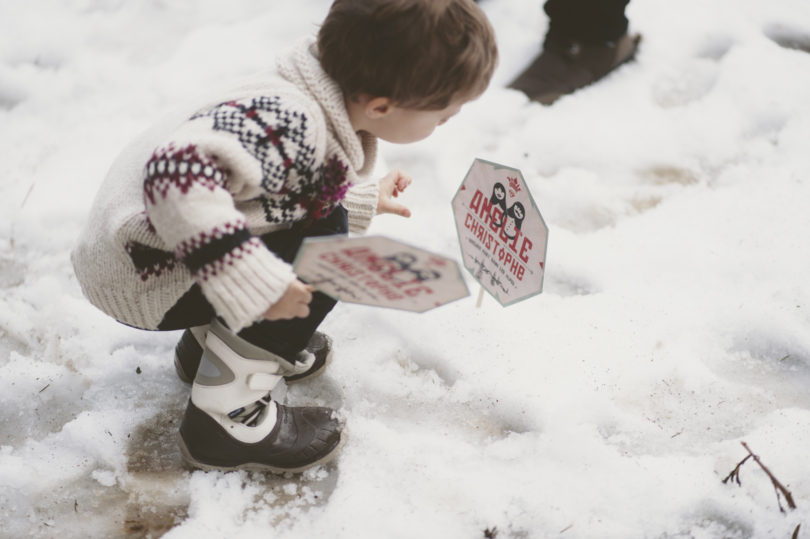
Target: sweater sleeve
{"points": [[361, 204], [235, 151]]}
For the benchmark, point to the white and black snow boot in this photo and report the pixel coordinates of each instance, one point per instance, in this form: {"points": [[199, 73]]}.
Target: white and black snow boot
{"points": [[189, 350], [231, 421]]}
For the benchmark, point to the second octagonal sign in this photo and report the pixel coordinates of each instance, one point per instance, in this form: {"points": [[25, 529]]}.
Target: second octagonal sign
{"points": [[380, 271]]}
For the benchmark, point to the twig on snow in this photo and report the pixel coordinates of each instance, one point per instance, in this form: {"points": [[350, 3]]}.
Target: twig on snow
{"points": [[777, 486], [780, 489], [734, 475]]}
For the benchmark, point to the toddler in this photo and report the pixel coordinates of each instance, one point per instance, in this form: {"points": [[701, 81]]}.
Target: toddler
{"points": [[198, 220]]}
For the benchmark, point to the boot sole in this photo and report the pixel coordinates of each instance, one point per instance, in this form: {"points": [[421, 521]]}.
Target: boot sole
{"points": [[190, 461]]}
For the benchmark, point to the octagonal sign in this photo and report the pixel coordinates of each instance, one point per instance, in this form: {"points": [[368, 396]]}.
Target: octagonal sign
{"points": [[502, 234], [380, 271]]}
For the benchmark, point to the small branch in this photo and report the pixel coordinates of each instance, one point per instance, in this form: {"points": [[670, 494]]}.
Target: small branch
{"points": [[796, 532], [734, 475], [778, 487]]}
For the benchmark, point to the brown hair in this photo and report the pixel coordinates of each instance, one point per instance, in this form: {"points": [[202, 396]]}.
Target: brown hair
{"points": [[421, 54]]}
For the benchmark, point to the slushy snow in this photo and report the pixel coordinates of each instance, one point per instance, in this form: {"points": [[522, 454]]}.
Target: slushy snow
{"points": [[674, 322]]}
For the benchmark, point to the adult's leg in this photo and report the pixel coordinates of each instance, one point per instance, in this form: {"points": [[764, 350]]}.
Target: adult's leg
{"points": [[586, 21]]}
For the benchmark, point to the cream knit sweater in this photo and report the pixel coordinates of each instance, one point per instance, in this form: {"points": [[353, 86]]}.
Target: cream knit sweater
{"points": [[186, 201]]}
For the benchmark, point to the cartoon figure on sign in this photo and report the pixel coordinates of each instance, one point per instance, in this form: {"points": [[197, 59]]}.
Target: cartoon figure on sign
{"points": [[498, 200], [402, 270], [514, 220]]}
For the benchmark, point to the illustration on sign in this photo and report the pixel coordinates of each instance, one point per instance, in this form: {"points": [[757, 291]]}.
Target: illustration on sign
{"points": [[502, 234], [380, 271]]}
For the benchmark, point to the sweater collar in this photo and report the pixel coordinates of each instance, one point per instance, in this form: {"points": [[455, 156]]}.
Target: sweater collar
{"points": [[300, 65]]}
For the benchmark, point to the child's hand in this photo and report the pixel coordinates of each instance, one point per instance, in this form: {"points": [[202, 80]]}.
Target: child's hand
{"points": [[294, 303], [390, 187]]}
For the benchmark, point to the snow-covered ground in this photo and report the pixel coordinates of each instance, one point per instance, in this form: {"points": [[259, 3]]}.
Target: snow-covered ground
{"points": [[675, 321]]}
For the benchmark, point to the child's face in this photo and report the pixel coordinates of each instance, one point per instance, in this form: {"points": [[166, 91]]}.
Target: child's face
{"points": [[403, 125]]}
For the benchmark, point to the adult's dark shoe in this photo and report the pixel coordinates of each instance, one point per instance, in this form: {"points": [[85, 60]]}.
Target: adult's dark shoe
{"points": [[565, 66], [313, 362], [232, 423]]}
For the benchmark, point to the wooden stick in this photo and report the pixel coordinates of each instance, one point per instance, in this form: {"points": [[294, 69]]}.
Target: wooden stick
{"points": [[480, 298], [779, 487]]}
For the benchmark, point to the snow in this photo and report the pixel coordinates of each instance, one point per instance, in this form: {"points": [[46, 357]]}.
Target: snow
{"points": [[674, 324]]}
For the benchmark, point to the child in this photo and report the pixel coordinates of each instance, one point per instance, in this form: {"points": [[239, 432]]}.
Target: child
{"points": [[198, 221]]}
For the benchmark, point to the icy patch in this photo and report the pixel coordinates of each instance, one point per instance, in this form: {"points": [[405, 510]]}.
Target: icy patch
{"points": [[779, 364], [40, 397], [156, 481]]}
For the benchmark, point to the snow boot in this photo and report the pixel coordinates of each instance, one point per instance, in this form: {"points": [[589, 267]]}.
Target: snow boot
{"points": [[232, 423], [564, 66], [189, 350]]}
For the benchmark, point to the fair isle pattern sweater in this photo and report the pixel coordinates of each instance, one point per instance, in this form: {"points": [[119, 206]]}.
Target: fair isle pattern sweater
{"points": [[187, 201]]}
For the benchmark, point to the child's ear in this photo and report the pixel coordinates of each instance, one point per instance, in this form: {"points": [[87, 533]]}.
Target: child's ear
{"points": [[377, 107]]}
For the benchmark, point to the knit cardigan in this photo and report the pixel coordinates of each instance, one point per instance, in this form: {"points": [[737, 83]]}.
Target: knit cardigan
{"points": [[186, 202]]}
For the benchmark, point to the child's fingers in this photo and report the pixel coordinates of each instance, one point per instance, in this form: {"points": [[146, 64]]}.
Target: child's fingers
{"points": [[403, 182], [397, 209], [390, 187]]}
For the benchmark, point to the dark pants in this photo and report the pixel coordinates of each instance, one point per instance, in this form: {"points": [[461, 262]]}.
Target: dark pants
{"points": [[586, 21], [283, 337]]}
